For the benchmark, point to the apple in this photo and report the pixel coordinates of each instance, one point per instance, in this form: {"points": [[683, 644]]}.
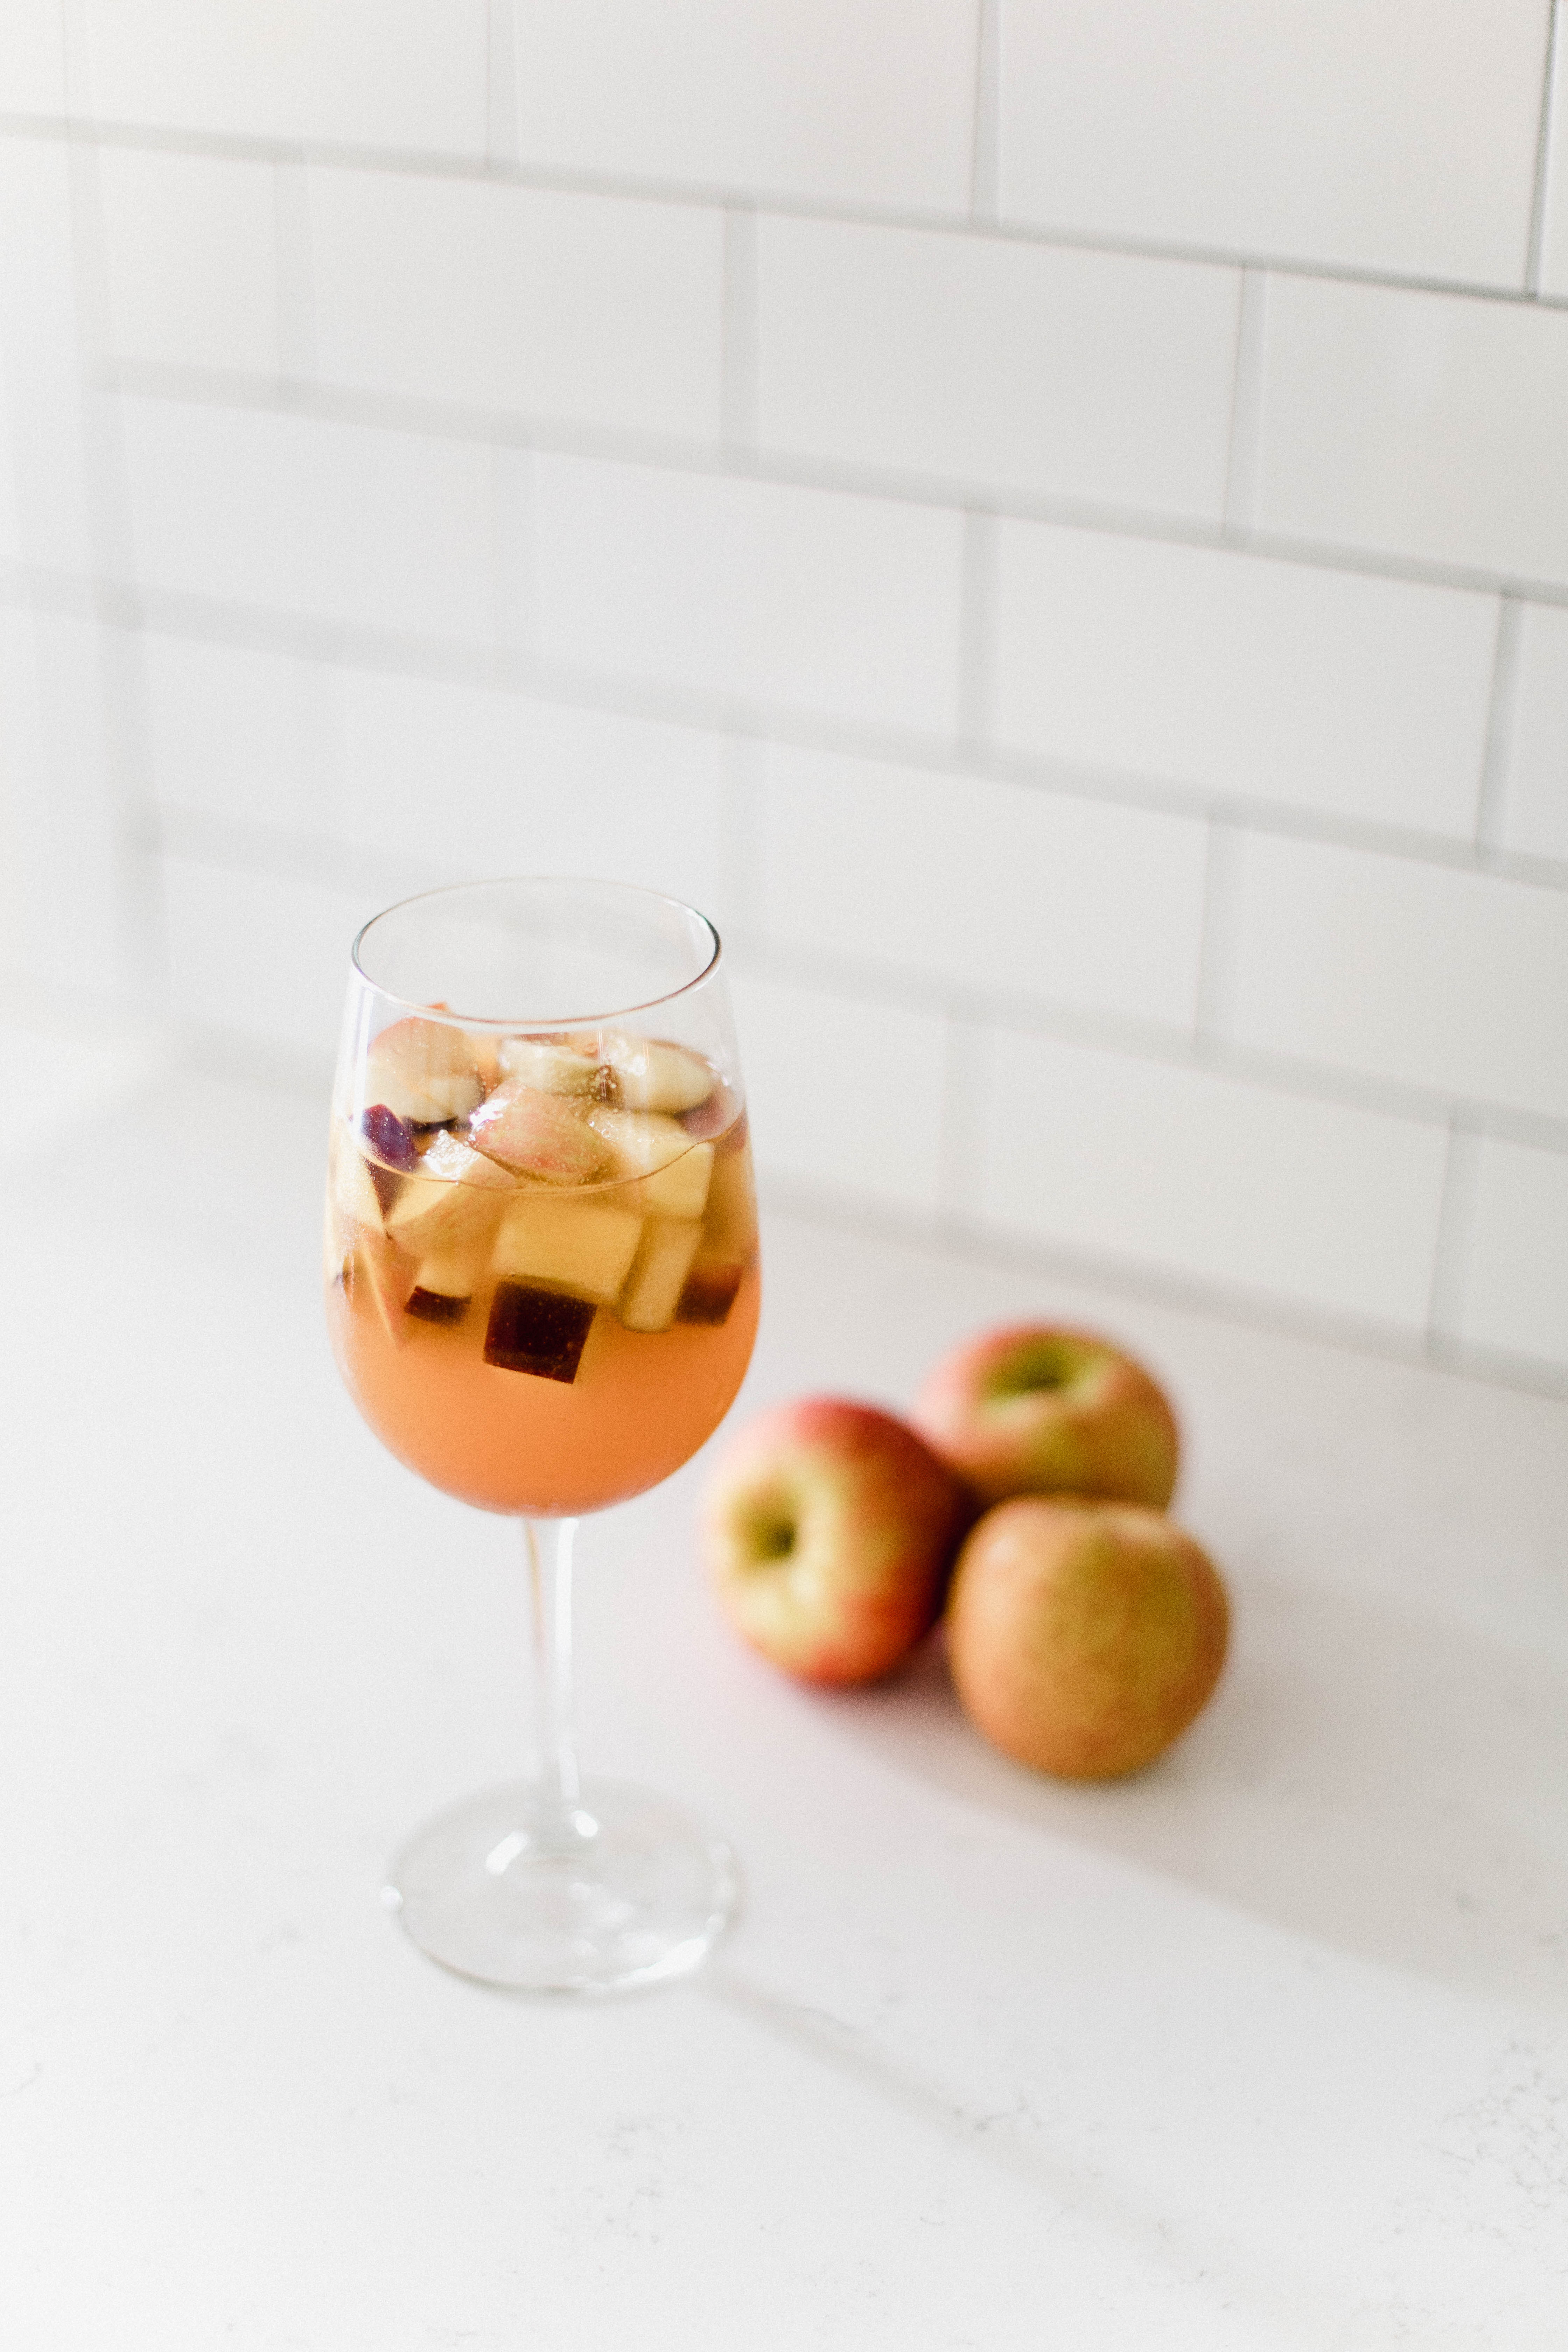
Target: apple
{"points": [[538, 1134], [428, 1072], [1083, 1636], [1035, 1409], [828, 1528]]}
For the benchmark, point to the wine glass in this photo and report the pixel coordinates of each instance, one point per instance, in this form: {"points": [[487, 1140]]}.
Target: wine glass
{"points": [[543, 1290]]}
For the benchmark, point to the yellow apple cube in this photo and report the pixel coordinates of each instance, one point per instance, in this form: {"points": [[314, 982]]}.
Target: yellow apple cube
{"points": [[585, 1246], [659, 1276], [672, 1171]]}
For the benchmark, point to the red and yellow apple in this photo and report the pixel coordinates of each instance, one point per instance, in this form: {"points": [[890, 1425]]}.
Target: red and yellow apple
{"points": [[829, 1529], [1036, 1410], [1083, 1636]]}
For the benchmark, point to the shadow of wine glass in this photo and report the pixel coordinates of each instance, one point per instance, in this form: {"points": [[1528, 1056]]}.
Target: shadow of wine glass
{"points": [[1388, 1784]]}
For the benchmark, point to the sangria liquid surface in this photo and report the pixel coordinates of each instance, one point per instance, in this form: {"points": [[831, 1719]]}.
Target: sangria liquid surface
{"points": [[543, 1347]]}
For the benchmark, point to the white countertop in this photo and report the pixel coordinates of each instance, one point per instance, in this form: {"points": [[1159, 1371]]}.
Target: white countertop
{"points": [[1266, 2048]]}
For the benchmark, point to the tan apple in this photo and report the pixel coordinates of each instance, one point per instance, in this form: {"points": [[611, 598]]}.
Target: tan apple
{"points": [[829, 1529], [1083, 1636], [1031, 1408]]}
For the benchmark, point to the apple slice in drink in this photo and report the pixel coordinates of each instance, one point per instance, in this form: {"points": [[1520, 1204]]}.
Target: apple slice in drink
{"points": [[659, 1274], [388, 1276], [732, 1221], [557, 1066], [712, 1289], [672, 1172], [583, 1246], [355, 1192], [539, 1332], [458, 1196], [428, 1072], [538, 1134], [654, 1076]]}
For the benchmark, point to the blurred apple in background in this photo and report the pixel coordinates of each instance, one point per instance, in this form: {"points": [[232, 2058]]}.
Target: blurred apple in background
{"points": [[1083, 1636], [1031, 1408], [829, 1529]]}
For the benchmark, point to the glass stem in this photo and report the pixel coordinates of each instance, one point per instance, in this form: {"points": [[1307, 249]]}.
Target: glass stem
{"points": [[548, 1543]]}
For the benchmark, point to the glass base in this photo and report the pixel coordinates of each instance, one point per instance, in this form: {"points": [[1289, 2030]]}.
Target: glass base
{"points": [[621, 1890]]}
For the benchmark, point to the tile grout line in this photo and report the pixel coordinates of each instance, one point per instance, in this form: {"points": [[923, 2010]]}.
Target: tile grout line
{"points": [[985, 145], [1455, 1222], [1214, 944], [1492, 784], [1535, 237], [1244, 440]]}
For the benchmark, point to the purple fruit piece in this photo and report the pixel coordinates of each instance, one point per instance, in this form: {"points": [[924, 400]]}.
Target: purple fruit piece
{"points": [[710, 1294], [434, 1306], [390, 1138], [537, 1331]]}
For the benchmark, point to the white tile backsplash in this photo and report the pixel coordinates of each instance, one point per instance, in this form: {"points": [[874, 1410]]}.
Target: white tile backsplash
{"points": [[46, 514], [1287, 684], [1399, 137], [1414, 973], [33, 59], [809, 600], [1042, 517], [471, 781], [64, 901], [243, 734], [191, 261], [339, 522], [1098, 377], [868, 101], [1514, 1294], [265, 955], [1422, 426], [1555, 207], [844, 1095], [1535, 794], [987, 888], [591, 309], [1235, 1186], [380, 74]]}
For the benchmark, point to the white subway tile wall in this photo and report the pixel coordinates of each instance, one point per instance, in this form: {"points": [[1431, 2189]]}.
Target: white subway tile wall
{"points": [[1400, 137], [1077, 581], [1286, 684], [1098, 377], [1535, 809], [868, 101]]}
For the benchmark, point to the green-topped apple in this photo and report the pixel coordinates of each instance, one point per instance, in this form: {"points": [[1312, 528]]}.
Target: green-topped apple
{"points": [[829, 1529], [1033, 1409]]}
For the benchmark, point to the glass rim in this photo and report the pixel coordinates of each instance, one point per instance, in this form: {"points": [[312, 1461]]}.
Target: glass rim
{"points": [[514, 1022]]}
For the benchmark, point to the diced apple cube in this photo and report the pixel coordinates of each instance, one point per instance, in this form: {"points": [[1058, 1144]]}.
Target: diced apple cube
{"points": [[538, 1134], [537, 1331], [455, 1198], [355, 1192], [583, 1245], [427, 1072], [387, 1276], [672, 1171], [659, 1274], [557, 1066], [710, 1291], [651, 1077], [732, 1209]]}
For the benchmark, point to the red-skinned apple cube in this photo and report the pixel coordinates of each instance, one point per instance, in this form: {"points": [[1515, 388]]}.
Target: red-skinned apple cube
{"points": [[829, 1529]]}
